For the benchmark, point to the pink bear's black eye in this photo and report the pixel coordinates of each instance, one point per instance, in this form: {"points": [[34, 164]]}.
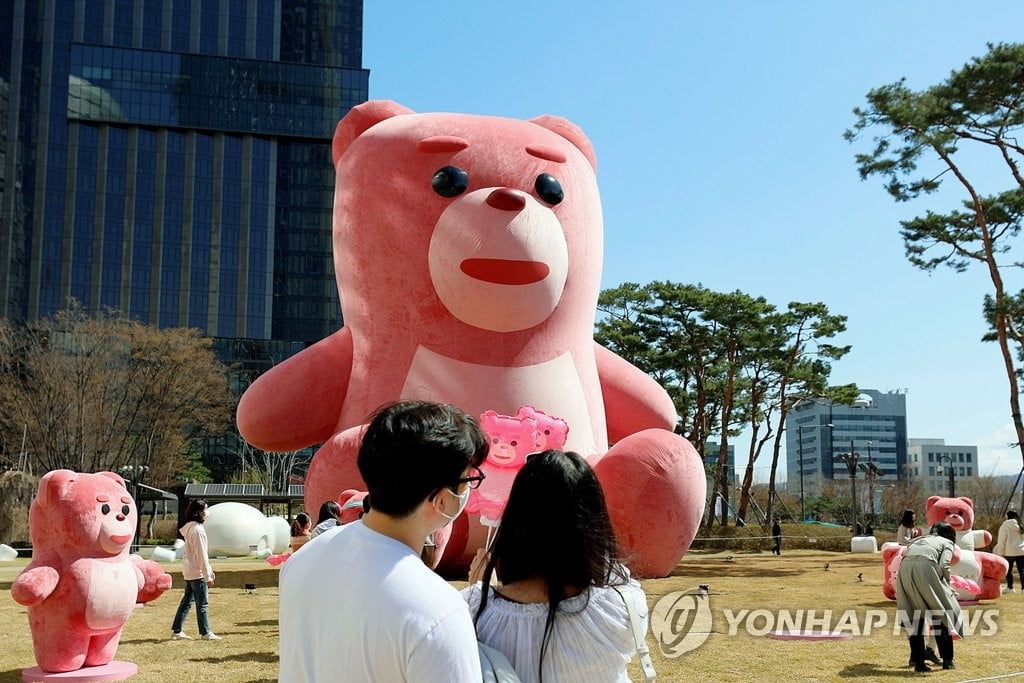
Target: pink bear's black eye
{"points": [[450, 181], [547, 432], [513, 444], [549, 189], [105, 509], [125, 510]]}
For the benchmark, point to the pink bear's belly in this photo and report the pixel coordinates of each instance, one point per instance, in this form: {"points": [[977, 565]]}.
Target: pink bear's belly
{"points": [[111, 590], [553, 386]]}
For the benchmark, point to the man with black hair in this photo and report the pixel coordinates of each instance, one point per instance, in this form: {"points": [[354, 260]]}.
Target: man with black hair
{"points": [[382, 614]]}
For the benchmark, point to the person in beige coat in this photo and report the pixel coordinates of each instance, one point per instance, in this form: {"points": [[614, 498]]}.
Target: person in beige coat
{"points": [[924, 597], [1010, 544]]}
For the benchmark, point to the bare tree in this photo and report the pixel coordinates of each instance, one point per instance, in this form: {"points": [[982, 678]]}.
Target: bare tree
{"points": [[105, 392], [273, 470]]}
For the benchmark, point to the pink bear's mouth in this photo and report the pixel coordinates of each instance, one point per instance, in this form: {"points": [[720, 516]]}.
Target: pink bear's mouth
{"points": [[505, 272], [120, 540]]}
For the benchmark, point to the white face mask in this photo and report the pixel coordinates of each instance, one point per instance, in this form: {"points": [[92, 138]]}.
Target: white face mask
{"points": [[463, 499]]}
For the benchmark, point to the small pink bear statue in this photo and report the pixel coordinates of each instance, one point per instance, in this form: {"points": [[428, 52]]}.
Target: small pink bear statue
{"points": [[986, 569], [82, 583]]}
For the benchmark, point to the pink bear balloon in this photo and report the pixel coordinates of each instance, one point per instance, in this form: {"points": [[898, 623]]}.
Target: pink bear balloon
{"points": [[512, 439], [82, 583], [552, 432], [468, 253]]}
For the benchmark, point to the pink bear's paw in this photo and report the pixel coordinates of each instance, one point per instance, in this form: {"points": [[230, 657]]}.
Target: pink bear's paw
{"points": [[333, 469], [653, 471], [34, 585], [155, 580]]}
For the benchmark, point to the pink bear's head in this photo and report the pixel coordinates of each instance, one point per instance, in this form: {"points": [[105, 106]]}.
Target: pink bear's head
{"points": [[83, 515], [465, 227], [552, 431], [512, 439], [957, 512]]}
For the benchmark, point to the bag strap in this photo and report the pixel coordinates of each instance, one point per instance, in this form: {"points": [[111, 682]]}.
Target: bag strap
{"points": [[639, 638]]}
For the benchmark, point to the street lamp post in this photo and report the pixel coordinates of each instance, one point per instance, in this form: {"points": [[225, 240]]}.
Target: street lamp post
{"points": [[800, 453], [135, 473], [851, 465], [947, 458]]}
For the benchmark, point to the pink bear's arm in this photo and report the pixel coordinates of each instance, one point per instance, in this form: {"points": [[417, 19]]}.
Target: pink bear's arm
{"points": [[297, 403], [153, 580], [37, 581], [632, 400]]}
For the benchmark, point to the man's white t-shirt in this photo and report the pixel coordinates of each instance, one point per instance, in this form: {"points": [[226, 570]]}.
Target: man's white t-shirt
{"points": [[360, 606]]}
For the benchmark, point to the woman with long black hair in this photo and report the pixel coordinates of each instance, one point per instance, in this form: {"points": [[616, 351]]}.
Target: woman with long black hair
{"points": [[560, 613]]}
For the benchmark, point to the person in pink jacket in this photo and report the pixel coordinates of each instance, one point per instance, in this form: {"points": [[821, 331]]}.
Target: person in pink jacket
{"points": [[197, 572]]}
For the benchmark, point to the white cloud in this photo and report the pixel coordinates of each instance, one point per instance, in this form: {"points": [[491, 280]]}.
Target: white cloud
{"points": [[996, 455]]}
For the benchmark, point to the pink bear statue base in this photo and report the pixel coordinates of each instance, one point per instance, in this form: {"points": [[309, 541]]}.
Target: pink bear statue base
{"points": [[468, 253], [82, 583], [985, 570]]}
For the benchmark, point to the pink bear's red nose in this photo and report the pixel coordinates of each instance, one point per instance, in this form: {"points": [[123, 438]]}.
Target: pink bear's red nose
{"points": [[505, 199]]}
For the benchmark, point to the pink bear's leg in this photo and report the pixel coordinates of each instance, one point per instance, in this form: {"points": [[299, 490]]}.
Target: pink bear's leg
{"points": [[993, 570], [333, 470], [60, 651], [892, 555], [654, 484], [102, 648]]}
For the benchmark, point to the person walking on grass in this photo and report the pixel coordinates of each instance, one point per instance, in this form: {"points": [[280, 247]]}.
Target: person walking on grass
{"points": [[777, 535], [1010, 544], [924, 597], [197, 572]]}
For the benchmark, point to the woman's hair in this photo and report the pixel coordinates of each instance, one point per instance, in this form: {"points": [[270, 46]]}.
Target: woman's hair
{"points": [[1012, 514], [196, 511], [300, 524], [907, 520], [556, 528], [329, 510], [945, 530]]}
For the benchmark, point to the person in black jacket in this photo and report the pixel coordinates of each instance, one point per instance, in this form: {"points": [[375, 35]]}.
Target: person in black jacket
{"points": [[777, 535]]}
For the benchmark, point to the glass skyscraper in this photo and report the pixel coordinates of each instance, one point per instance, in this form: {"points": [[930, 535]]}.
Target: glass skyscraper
{"points": [[171, 159]]}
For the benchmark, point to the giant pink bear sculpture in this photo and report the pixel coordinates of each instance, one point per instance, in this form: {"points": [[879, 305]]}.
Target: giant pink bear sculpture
{"points": [[468, 255], [82, 583]]}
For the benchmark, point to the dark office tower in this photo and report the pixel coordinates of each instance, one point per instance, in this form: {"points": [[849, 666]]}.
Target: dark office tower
{"points": [[171, 159]]}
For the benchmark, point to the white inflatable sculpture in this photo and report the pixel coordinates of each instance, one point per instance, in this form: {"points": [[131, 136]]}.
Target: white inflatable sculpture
{"points": [[237, 530]]}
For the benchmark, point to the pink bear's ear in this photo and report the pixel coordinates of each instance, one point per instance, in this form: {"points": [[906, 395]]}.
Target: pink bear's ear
{"points": [[53, 485], [970, 503], [931, 501], [115, 477], [360, 119], [571, 132]]}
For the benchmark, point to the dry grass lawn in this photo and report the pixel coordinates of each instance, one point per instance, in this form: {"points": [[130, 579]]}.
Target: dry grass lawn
{"points": [[797, 580]]}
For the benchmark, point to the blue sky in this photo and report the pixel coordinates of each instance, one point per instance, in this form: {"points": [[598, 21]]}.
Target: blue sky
{"points": [[718, 130]]}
